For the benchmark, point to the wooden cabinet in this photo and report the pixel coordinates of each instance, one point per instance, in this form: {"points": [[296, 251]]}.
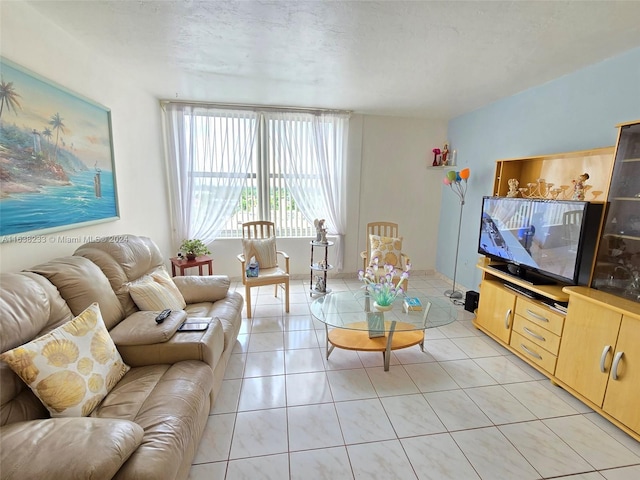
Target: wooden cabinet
{"points": [[496, 309], [536, 333], [618, 259], [599, 357], [555, 172], [622, 399]]}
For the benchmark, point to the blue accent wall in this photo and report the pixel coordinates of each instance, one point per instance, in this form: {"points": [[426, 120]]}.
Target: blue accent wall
{"points": [[575, 112]]}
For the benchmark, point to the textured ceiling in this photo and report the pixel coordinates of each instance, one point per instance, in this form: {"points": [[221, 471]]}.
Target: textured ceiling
{"points": [[414, 58]]}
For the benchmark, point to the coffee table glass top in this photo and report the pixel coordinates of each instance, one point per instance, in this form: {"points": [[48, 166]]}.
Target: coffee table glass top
{"points": [[347, 310]]}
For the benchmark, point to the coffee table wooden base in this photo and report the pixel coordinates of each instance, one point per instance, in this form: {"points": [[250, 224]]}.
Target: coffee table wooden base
{"points": [[356, 337]]}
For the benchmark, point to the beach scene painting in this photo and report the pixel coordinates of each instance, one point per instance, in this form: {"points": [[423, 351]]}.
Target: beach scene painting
{"points": [[56, 157]]}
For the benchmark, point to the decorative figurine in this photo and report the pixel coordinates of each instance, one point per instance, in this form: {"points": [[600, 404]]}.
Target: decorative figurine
{"points": [[445, 154], [436, 159], [321, 231], [320, 285], [578, 186], [513, 187]]}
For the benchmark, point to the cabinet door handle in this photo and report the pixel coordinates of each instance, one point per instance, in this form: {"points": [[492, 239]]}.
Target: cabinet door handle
{"points": [[533, 354], [534, 334], [603, 358], [506, 319], [537, 316], [614, 366]]}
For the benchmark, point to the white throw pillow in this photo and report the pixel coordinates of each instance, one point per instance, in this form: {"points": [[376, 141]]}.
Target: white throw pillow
{"points": [[156, 291], [263, 249]]}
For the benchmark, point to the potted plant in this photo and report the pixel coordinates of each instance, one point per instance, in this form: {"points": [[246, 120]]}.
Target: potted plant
{"points": [[193, 248]]}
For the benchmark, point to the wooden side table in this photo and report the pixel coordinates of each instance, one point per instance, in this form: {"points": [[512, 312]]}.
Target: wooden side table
{"points": [[183, 263]]}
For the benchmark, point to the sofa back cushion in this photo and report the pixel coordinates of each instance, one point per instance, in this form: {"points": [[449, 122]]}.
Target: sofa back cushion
{"points": [[81, 282], [123, 260], [30, 306]]}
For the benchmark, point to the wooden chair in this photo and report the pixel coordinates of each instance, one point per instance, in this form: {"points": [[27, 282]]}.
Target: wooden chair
{"points": [[383, 229], [268, 275]]}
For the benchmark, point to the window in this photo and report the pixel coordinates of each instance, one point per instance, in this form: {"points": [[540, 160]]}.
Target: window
{"points": [[228, 167]]}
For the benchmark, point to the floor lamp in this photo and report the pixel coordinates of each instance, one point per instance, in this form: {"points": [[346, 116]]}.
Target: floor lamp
{"points": [[457, 181]]}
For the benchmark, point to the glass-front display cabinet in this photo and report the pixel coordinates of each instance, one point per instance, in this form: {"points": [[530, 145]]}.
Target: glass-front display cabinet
{"points": [[617, 268]]}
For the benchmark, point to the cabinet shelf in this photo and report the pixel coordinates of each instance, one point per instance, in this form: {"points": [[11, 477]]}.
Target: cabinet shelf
{"points": [[620, 235]]}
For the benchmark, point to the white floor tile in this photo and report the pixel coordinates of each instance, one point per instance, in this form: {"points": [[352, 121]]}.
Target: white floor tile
{"points": [[364, 421], [493, 456], [543, 449], [272, 467], [321, 464], [499, 405], [430, 377], [261, 364], [411, 415], [262, 392], [313, 426], [540, 401], [600, 449], [395, 381], [216, 439], [258, 433], [350, 385], [308, 389], [456, 410], [437, 457], [467, 373], [380, 460]]}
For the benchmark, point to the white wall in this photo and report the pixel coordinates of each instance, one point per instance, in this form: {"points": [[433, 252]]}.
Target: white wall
{"points": [[31, 41], [575, 112], [388, 177]]}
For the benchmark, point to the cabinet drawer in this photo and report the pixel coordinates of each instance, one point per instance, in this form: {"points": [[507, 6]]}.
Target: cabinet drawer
{"points": [[540, 315], [533, 352], [536, 334]]}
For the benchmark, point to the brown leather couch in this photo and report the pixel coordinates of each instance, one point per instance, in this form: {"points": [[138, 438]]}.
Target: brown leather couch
{"points": [[149, 425]]}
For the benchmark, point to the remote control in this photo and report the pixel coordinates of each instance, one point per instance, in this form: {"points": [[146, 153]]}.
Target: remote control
{"points": [[162, 315]]}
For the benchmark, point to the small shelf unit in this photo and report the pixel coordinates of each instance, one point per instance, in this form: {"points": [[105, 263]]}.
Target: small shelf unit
{"points": [[319, 269]]}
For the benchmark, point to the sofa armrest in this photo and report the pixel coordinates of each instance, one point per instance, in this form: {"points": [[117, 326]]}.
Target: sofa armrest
{"points": [[69, 448], [140, 328], [197, 289]]}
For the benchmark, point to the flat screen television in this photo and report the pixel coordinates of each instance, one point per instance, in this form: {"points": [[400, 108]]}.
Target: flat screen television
{"points": [[541, 241]]}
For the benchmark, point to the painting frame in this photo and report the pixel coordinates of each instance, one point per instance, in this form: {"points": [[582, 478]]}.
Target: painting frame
{"points": [[57, 163]]}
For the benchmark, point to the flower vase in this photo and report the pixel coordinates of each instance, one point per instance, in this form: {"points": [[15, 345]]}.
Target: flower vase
{"points": [[382, 308]]}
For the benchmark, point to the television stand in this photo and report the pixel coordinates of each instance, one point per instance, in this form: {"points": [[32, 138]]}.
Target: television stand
{"points": [[521, 290], [523, 275]]}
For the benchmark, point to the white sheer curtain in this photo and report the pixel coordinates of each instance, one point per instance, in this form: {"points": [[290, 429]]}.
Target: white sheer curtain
{"points": [[311, 152], [201, 140]]}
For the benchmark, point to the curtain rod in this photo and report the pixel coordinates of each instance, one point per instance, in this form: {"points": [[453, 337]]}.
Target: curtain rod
{"points": [[243, 106]]}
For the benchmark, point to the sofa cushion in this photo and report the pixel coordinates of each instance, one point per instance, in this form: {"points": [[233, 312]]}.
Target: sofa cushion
{"points": [[71, 368], [81, 282], [141, 328], [156, 292], [171, 403], [123, 259], [69, 448], [197, 289]]}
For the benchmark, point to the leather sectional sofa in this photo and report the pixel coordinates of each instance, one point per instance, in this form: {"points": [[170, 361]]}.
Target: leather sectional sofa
{"points": [[150, 422]]}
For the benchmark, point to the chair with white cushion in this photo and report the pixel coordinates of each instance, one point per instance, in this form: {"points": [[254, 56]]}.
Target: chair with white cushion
{"points": [[259, 241], [384, 243]]}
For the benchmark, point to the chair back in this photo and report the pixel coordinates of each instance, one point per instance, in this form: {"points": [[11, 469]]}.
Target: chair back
{"points": [[258, 229]]}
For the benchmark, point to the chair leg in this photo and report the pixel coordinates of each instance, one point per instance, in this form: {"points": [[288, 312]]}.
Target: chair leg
{"points": [[286, 296], [247, 299]]}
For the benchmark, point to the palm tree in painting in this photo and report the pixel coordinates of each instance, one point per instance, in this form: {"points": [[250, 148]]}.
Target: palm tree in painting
{"points": [[47, 133], [56, 122], [8, 97]]}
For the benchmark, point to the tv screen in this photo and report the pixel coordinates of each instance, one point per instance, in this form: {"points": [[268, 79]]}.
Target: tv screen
{"points": [[545, 237]]}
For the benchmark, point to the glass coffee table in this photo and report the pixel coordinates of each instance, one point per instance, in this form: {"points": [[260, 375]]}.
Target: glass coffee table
{"points": [[351, 322]]}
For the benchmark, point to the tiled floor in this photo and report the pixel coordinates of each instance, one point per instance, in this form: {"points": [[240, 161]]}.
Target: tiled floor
{"points": [[467, 409]]}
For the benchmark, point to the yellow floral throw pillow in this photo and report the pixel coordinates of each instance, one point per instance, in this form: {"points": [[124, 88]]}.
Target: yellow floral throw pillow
{"points": [[386, 249], [72, 368]]}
